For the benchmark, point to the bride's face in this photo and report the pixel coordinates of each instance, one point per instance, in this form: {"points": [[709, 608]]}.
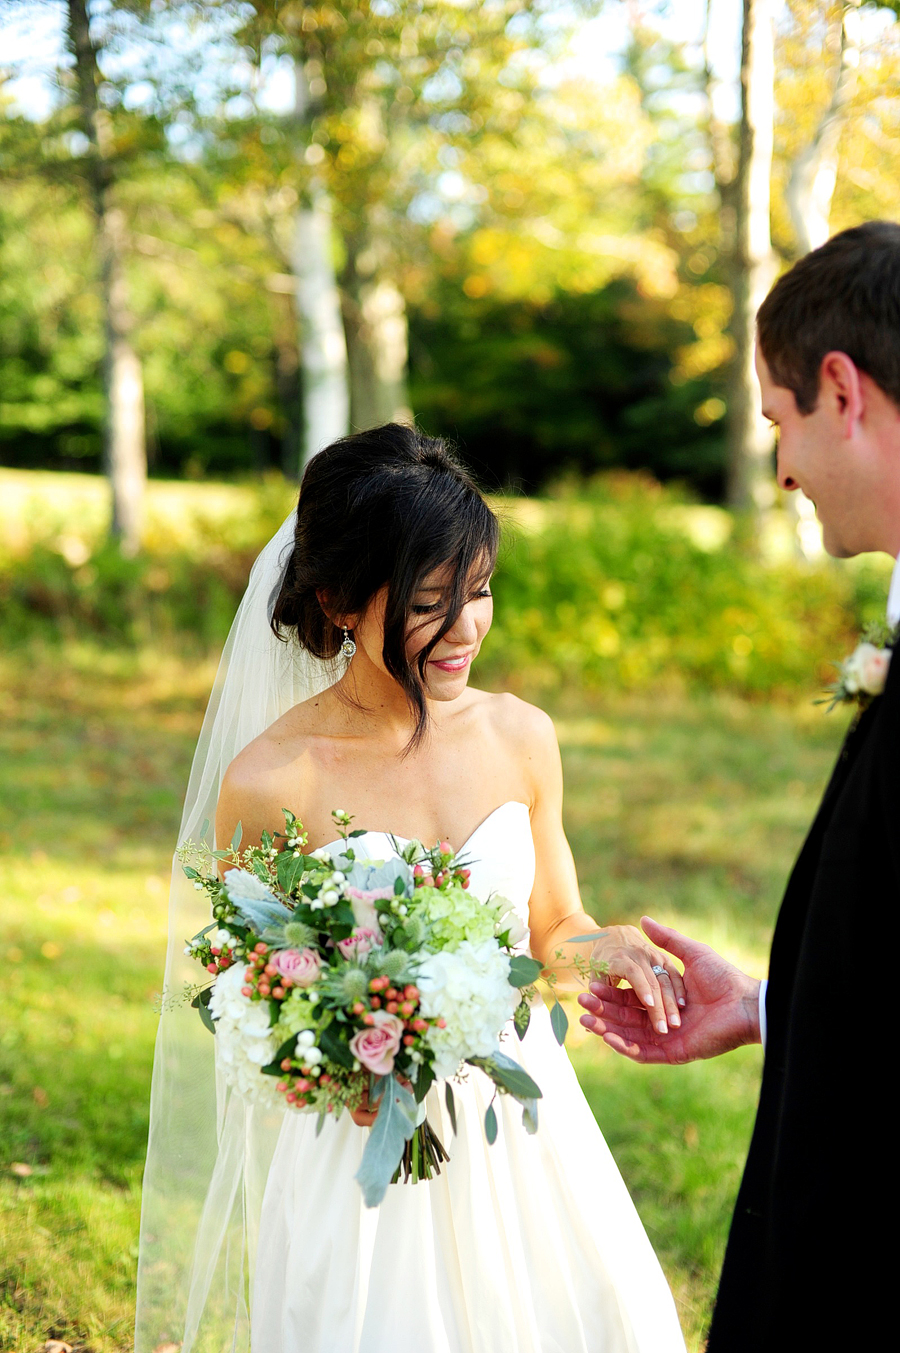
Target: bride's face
{"points": [[447, 668]]}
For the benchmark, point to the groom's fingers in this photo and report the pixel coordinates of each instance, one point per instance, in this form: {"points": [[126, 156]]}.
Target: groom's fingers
{"points": [[637, 1052], [622, 1016], [682, 946]]}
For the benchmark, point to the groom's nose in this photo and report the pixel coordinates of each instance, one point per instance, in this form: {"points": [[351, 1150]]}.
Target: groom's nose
{"points": [[786, 480]]}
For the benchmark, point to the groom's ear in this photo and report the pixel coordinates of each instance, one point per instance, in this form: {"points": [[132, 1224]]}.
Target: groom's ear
{"points": [[841, 391]]}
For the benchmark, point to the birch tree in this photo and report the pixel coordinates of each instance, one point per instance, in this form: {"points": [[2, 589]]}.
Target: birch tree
{"points": [[125, 455], [752, 269], [810, 188]]}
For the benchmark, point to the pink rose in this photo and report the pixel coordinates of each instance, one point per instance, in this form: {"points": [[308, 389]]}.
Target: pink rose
{"points": [[359, 943], [302, 966], [376, 1045], [363, 903]]}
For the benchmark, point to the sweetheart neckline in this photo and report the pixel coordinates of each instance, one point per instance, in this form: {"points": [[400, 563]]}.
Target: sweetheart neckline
{"points": [[395, 836]]}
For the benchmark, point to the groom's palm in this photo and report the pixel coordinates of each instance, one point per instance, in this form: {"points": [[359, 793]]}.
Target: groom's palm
{"points": [[721, 1011]]}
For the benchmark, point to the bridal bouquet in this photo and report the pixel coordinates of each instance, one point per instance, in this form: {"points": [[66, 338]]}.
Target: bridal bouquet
{"points": [[338, 981]]}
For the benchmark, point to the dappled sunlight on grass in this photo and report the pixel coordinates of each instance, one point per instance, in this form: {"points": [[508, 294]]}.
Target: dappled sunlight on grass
{"points": [[689, 809]]}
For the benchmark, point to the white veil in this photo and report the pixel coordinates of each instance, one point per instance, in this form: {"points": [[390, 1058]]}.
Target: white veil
{"points": [[209, 1151]]}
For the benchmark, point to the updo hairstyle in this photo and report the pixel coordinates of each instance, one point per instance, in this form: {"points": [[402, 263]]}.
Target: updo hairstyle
{"points": [[384, 507]]}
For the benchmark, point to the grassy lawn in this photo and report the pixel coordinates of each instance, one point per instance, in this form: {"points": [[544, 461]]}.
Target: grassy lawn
{"points": [[691, 810]]}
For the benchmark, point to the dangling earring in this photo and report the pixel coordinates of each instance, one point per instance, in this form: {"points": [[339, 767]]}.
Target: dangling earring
{"points": [[348, 647]]}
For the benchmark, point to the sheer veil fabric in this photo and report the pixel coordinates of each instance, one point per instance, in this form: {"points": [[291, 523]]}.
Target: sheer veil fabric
{"points": [[209, 1152]]}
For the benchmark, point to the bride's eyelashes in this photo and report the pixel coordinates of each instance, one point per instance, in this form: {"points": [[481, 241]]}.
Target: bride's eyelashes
{"points": [[436, 606]]}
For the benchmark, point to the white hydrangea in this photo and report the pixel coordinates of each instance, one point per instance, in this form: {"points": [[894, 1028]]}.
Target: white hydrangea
{"points": [[469, 987], [244, 1038]]}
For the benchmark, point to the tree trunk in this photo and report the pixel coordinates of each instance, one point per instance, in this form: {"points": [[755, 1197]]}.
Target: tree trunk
{"points": [[323, 348], [377, 345], [124, 440], [750, 482], [810, 188]]}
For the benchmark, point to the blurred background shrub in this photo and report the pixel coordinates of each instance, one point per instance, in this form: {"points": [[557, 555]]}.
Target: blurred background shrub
{"points": [[620, 583]]}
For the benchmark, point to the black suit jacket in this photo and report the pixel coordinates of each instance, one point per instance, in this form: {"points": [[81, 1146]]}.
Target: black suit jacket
{"points": [[815, 1221]]}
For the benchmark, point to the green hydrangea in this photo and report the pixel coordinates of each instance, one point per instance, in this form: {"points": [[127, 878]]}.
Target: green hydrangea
{"points": [[452, 915], [295, 1015]]}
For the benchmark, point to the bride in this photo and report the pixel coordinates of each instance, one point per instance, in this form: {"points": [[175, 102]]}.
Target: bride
{"points": [[379, 595]]}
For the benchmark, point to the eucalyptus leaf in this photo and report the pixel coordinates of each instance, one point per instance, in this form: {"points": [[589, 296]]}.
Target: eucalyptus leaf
{"points": [[523, 970], [320, 1122], [201, 1006], [506, 1073], [213, 925], [559, 1022], [392, 1129], [578, 939], [450, 1101], [423, 1083], [205, 828], [522, 1019], [490, 1125], [237, 838]]}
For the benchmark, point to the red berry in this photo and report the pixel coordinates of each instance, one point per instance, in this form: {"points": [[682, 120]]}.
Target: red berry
{"points": [[411, 993], [285, 1063], [270, 970], [260, 948], [246, 991], [376, 1002], [278, 993], [392, 1007], [406, 1009], [368, 1018], [215, 952], [212, 967], [392, 993], [408, 1040]]}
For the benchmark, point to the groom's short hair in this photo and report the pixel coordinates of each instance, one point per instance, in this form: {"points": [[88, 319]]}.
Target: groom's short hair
{"points": [[842, 297]]}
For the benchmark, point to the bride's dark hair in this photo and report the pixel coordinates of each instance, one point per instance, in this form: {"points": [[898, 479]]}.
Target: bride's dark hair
{"points": [[384, 507]]}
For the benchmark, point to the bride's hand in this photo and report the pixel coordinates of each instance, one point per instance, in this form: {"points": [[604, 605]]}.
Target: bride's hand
{"points": [[364, 1116], [629, 957]]}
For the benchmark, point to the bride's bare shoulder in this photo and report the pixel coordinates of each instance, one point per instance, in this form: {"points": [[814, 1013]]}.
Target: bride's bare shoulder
{"points": [[268, 768], [514, 722]]}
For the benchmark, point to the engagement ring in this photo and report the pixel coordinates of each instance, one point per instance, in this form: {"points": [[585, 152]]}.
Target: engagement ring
{"points": [[660, 972]]}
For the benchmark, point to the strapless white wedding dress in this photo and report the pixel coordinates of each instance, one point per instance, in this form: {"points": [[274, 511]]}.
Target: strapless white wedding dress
{"points": [[531, 1245]]}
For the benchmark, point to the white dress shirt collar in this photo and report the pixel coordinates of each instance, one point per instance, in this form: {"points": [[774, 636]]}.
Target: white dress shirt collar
{"points": [[893, 603]]}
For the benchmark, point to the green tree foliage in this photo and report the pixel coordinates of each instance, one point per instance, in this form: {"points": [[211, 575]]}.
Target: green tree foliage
{"points": [[574, 383]]}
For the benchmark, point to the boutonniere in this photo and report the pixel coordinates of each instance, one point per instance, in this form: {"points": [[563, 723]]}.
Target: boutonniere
{"points": [[862, 676]]}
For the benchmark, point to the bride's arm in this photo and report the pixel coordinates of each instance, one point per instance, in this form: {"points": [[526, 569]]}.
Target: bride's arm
{"points": [[555, 907]]}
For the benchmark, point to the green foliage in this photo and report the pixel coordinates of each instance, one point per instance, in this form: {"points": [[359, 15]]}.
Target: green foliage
{"points": [[579, 382], [622, 584], [607, 588]]}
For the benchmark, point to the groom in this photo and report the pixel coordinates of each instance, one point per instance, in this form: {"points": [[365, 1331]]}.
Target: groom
{"points": [[812, 1232]]}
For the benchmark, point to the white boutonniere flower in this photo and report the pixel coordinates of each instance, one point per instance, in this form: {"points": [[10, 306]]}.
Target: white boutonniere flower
{"points": [[864, 674]]}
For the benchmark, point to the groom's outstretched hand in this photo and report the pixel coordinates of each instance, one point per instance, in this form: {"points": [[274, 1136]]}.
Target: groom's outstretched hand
{"points": [[722, 1010]]}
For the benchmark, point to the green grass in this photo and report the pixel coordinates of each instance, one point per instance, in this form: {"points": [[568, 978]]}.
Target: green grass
{"points": [[689, 809]]}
